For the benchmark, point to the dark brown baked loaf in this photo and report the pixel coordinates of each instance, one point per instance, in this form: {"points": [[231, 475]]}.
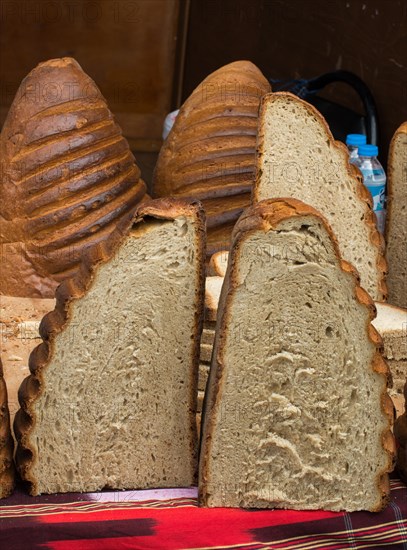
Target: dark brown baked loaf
{"points": [[68, 176], [400, 432], [210, 152], [6, 443]]}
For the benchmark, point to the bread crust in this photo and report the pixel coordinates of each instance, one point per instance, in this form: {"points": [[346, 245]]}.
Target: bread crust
{"points": [[210, 151], [73, 289], [390, 193], [265, 215], [363, 194], [390, 172], [68, 178], [7, 473]]}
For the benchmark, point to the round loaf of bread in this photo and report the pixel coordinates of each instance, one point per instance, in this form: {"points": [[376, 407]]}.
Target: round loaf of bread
{"points": [[68, 177], [210, 152]]}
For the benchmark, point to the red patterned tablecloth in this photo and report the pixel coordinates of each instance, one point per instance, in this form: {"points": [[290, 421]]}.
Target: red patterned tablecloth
{"points": [[170, 519]]}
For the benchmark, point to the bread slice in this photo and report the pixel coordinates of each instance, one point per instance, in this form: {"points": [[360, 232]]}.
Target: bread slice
{"points": [[210, 151], [213, 287], [218, 263], [68, 177], [391, 324], [7, 477], [297, 413], [396, 226], [111, 399], [298, 157]]}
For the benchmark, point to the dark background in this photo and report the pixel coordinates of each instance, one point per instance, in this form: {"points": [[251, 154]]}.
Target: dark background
{"points": [[148, 55]]}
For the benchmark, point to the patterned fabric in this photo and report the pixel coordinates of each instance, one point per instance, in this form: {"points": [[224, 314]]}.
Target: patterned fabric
{"points": [[171, 519]]}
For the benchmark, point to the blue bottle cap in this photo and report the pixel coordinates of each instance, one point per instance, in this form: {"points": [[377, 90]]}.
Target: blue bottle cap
{"points": [[355, 139], [368, 150]]}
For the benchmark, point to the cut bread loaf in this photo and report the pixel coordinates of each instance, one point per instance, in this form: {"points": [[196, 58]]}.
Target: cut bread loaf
{"points": [[297, 413], [68, 177], [210, 151], [7, 477], [396, 226], [298, 157], [111, 399]]}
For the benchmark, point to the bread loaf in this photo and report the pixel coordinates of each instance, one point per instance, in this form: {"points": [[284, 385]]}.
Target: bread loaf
{"points": [[396, 226], [297, 413], [112, 395], [68, 177], [298, 157], [6, 443], [210, 152], [218, 264]]}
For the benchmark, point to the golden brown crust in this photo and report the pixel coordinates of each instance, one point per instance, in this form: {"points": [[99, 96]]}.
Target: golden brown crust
{"points": [[265, 215], [363, 194], [7, 473], [390, 172], [68, 178], [393, 297], [73, 289], [210, 152]]}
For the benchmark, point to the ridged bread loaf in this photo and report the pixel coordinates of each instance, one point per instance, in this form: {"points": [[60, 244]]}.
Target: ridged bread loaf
{"points": [[210, 151], [112, 396], [396, 225], [296, 414], [68, 177], [7, 477], [298, 157]]}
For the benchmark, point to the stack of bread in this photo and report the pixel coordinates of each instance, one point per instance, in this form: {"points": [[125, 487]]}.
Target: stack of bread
{"points": [[281, 342]]}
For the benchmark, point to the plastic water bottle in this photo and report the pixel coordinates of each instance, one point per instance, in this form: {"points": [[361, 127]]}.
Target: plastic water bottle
{"points": [[374, 179], [353, 141], [169, 123]]}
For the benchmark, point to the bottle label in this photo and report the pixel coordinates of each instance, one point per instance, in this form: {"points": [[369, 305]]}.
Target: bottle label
{"points": [[375, 181]]}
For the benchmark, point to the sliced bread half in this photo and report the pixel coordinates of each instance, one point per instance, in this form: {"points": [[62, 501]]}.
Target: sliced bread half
{"points": [[7, 477], [396, 226], [111, 399], [297, 413], [298, 157]]}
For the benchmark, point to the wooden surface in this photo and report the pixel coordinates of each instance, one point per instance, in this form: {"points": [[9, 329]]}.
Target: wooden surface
{"points": [[127, 47], [304, 38]]}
